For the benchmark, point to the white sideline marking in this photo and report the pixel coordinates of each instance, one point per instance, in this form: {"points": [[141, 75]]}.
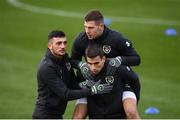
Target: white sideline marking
{"points": [[58, 12]]}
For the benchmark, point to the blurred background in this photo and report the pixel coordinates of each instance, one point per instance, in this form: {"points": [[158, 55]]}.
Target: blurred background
{"points": [[152, 26]]}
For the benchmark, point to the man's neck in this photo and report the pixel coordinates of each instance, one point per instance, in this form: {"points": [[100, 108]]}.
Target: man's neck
{"points": [[56, 56]]}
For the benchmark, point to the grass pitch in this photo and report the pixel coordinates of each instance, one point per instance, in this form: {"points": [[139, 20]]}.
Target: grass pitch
{"points": [[23, 41]]}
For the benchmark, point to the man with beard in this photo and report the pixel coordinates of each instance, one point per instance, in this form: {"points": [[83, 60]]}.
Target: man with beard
{"points": [[57, 82]]}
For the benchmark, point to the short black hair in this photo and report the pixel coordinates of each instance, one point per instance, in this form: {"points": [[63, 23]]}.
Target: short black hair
{"points": [[56, 33], [94, 15], [94, 50]]}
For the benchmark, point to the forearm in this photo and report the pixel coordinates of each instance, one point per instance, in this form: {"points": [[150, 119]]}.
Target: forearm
{"points": [[130, 108], [76, 94], [75, 63], [80, 111], [131, 60]]}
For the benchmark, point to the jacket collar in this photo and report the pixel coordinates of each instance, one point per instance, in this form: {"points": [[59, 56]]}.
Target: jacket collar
{"points": [[53, 58], [102, 37]]}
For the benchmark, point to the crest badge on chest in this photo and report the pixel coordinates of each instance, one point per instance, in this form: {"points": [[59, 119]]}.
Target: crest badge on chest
{"points": [[68, 66], [106, 49], [109, 79]]}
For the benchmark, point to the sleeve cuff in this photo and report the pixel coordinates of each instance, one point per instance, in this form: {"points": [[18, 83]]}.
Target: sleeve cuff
{"points": [[81, 101], [128, 94]]}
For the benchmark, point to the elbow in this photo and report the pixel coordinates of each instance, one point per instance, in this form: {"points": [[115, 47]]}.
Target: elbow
{"points": [[138, 60]]}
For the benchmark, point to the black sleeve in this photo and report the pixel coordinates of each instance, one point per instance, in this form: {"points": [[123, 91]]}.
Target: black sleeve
{"points": [[80, 76], [128, 54], [74, 80], [76, 52], [56, 84], [131, 79]]}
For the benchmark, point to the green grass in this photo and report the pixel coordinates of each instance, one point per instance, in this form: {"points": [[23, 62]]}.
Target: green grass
{"points": [[23, 40]]}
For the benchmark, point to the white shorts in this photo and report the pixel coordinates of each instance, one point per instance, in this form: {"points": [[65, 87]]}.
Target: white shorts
{"points": [[126, 94]]}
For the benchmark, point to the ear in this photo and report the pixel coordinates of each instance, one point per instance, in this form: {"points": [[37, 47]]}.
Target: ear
{"points": [[50, 45], [101, 26], [104, 58]]}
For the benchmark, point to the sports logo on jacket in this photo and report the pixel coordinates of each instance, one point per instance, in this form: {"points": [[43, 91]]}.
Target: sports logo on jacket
{"points": [[68, 66], [109, 79], [106, 49], [128, 44]]}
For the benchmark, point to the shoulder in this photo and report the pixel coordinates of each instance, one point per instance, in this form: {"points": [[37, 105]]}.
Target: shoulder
{"points": [[80, 37], [123, 69], [115, 34], [45, 65], [80, 42], [127, 72], [119, 38]]}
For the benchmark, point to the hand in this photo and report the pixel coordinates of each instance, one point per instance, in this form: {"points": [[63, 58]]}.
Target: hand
{"points": [[86, 84], [85, 71], [114, 63], [98, 88]]}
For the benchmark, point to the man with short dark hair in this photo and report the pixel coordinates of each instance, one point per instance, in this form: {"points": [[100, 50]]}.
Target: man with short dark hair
{"points": [[114, 45], [57, 82], [114, 104]]}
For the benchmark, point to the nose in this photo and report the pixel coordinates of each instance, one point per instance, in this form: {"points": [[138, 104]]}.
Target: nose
{"points": [[93, 67], [63, 45]]}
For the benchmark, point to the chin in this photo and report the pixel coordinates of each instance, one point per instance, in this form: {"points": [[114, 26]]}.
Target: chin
{"points": [[90, 38], [95, 73], [63, 54]]}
